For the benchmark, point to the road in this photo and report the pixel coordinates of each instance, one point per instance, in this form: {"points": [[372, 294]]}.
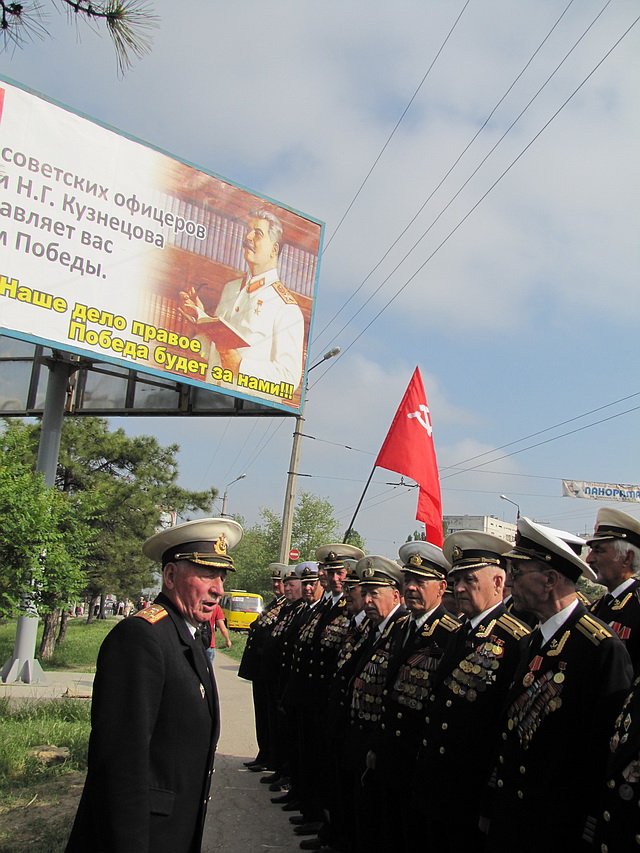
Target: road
{"points": [[241, 817]]}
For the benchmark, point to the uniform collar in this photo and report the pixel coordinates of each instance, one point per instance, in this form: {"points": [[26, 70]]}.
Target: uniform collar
{"points": [[555, 622], [253, 282]]}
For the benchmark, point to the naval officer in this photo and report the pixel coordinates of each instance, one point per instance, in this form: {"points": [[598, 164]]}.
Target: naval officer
{"points": [[155, 698], [560, 710]]}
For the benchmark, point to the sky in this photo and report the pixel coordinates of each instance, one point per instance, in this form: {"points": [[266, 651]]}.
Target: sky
{"points": [[475, 165]]}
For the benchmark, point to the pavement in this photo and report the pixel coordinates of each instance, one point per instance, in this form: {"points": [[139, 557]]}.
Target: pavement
{"points": [[241, 817]]}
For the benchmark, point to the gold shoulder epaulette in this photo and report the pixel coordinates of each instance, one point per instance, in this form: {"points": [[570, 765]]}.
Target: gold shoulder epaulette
{"points": [[284, 293], [154, 613], [449, 622], [582, 598], [592, 629], [342, 602], [513, 626]]}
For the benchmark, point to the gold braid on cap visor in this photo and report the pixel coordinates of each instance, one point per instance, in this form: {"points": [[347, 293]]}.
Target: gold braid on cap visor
{"points": [[212, 560]]}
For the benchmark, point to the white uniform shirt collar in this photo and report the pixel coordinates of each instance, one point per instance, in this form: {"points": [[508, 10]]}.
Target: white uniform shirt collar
{"points": [[358, 618], [422, 619], [549, 628], [385, 621], [476, 620], [192, 630], [617, 592], [270, 276]]}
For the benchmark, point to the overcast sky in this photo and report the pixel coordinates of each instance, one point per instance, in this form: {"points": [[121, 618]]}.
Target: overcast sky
{"points": [[520, 301]]}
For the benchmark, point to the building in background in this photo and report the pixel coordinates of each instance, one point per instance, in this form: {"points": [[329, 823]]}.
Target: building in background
{"points": [[486, 523]]}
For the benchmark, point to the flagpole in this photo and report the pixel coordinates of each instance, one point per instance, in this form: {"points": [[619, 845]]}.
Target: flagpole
{"points": [[350, 527]]}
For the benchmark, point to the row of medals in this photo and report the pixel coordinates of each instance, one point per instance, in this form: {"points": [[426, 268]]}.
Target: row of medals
{"points": [[476, 672], [542, 697]]}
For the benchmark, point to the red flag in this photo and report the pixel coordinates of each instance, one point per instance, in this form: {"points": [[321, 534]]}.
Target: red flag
{"points": [[408, 449]]}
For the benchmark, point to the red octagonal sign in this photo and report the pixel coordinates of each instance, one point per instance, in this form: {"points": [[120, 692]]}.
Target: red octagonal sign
{"points": [[294, 554]]}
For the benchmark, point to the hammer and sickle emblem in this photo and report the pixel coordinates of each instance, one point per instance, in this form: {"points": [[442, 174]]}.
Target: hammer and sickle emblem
{"points": [[422, 416]]}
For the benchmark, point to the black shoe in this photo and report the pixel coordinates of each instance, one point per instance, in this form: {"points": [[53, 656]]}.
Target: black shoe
{"points": [[311, 844], [292, 806], [256, 760], [297, 819], [312, 828], [283, 798], [272, 777], [258, 768], [283, 787]]}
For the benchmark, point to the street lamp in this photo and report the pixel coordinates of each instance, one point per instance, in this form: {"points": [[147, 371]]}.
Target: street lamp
{"points": [[290, 494], [517, 506], [225, 496]]}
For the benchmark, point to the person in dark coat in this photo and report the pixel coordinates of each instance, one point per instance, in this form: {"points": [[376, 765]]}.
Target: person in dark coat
{"points": [[155, 699], [560, 710], [252, 670], [613, 824], [427, 635], [461, 715], [615, 558]]}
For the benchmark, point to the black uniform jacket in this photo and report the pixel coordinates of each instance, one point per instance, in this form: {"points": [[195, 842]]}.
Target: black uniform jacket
{"points": [[559, 715], [155, 724], [614, 820], [462, 712], [623, 616]]}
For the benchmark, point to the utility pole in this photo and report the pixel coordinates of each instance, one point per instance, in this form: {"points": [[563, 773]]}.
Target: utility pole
{"points": [[292, 478]]}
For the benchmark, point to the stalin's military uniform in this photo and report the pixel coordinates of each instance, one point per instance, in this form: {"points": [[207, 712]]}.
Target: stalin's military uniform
{"points": [[565, 695], [615, 826], [461, 719], [252, 670], [405, 697], [620, 608], [268, 317]]}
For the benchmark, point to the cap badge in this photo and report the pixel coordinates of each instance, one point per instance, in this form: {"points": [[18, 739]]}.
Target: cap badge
{"points": [[415, 560], [220, 545], [332, 556], [457, 553], [368, 572]]}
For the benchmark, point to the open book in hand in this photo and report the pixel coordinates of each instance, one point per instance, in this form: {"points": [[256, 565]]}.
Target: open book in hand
{"points": [[219, 331]]}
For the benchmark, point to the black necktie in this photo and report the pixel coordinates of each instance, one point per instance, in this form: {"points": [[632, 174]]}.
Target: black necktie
{"points": [[535, 642]]}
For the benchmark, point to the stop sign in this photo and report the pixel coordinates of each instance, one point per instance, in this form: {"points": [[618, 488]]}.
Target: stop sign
{"points": [[294, 554]]}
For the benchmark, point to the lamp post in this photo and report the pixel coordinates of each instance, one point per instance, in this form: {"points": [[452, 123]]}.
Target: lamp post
{"points": [[225, 495], [290, 494], [517, 506]]}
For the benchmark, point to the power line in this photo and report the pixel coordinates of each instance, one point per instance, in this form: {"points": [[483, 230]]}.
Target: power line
{"points": [[540, 443], [397, 125], [482, 197], [441, 182]]}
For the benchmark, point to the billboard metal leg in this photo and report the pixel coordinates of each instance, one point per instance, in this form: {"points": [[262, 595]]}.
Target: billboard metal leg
{"points": [[23, 666]]}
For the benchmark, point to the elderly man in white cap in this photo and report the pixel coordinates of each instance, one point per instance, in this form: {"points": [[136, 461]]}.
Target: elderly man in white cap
{"points": [[615, 558], [566, 692], [154, 697]]}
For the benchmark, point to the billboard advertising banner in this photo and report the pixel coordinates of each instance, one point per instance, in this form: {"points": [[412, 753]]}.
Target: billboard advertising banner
{"points": [[601, 491], [115, 250]]}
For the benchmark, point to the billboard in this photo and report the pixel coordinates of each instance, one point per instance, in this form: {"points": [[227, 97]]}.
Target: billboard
{"points": [[115, 250], [601, 491]]}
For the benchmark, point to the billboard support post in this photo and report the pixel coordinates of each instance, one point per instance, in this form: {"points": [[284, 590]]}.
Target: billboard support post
{"points": [[22, 665]]}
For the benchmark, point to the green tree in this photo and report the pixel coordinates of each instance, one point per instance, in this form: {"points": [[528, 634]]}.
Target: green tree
{"points": [[314, 524], [120, 485], [128, 23], [44, 535]]}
